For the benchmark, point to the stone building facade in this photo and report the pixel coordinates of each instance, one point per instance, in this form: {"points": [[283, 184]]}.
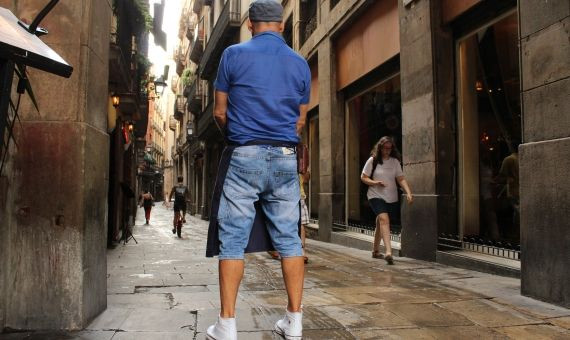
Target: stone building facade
{"points": [[473, 92], [53, 194], [70, 183]]}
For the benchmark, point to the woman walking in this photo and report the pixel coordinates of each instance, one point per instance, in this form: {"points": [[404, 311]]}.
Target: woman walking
{"points": [[147, 201], [380, 173]]}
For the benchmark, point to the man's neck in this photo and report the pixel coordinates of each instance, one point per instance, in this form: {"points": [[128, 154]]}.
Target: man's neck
{"points": [[266, 31]]}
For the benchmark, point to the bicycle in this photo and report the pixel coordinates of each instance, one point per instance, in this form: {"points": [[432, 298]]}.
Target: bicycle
{"points": [[178, 228]]}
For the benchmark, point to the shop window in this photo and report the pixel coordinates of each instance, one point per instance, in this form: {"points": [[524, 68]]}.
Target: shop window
{"points": [[370, 116], [489, 133]]}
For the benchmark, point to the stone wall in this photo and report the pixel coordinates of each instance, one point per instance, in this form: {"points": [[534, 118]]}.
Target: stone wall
{"points": [[544, 157], [54, 235]]}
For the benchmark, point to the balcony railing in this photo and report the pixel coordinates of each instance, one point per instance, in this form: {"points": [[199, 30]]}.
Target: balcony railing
{"points": [[228, 23], [195, 97], [198, 44], [205, 120], [198, 6], [172, 123], [179, 108]]}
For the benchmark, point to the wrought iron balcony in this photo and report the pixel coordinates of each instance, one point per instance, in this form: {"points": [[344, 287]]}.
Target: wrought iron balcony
{"points": [[172, 123], [198, 44], [222, 35], [205, 120], [198, 6], [179, 106], [195, 94]]}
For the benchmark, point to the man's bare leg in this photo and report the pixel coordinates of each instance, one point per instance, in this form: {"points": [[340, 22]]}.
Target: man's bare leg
{"points": [[293, 269], [231, 273]]}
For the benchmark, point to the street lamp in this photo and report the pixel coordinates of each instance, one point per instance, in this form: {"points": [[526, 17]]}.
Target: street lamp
{"points": [[160, 85], [190, 130], [116, 100]]}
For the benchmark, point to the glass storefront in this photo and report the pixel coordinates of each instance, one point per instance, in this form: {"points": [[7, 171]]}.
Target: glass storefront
{"points": [[489, 116], [371, 115]]}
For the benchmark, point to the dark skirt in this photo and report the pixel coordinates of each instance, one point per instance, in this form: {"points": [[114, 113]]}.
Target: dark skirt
{"points": [[380, 206]]}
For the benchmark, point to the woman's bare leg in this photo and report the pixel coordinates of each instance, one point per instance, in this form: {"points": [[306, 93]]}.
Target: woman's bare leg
{"points": [[385, 228]]}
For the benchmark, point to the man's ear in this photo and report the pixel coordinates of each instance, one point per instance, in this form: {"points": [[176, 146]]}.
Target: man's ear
{"points": [[281, 27], [250, 26]]}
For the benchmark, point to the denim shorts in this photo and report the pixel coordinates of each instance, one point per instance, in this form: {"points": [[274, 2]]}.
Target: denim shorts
{"points": [[267, 174]]}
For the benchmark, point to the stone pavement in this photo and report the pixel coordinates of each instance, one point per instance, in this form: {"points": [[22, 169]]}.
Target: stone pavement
{"points": [[164, 288]]}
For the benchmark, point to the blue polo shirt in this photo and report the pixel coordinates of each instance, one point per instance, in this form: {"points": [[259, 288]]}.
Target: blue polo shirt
{"points": [[266, 81]]}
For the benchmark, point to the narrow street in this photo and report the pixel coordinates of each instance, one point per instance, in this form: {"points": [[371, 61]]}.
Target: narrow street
{"points": [[164, 288]]}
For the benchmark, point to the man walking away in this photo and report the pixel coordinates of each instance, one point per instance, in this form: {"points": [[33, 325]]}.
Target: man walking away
{"points": [[180, 193], [262, 92]]}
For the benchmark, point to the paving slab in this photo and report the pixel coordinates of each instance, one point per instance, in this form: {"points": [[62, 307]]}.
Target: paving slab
{"points": [[488, 313], [156, 320], [563, 322], [183, 335], [110, 320], [538, 332], [429, 315]]}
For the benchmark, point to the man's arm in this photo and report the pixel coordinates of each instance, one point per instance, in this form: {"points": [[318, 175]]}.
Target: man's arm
{"points": [[303, 108], [221, 110], [170, 196]]}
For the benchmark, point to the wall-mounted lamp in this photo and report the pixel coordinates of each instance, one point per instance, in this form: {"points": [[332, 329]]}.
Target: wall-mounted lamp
{"points": [[190, 129], [479, 85], [116, 100], [160, 85]]}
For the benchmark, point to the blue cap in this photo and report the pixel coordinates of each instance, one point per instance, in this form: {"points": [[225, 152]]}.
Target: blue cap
{"points": [[265, 10]]}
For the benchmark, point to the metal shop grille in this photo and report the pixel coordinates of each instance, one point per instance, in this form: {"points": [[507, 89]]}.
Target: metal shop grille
{"points": [[479, 245]]}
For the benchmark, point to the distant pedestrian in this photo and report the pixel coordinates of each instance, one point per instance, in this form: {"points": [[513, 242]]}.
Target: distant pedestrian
{"points": [[381, 172], [181, 197], [147, 201]]}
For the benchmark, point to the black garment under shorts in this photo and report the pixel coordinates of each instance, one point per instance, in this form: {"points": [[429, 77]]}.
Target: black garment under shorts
{"points": [[179, 206], [380, 206]]}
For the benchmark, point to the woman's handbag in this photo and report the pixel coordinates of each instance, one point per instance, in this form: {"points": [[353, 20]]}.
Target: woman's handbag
{"points": [[302, 158]]}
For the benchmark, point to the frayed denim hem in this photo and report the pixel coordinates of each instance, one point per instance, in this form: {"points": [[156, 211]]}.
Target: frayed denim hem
{"points": [[230, 257]]}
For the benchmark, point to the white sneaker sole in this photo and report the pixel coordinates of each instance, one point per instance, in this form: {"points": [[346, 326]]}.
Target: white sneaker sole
{"points": [[285, 336]]}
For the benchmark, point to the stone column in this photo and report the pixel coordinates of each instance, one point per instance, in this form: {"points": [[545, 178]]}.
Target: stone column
{"points": [[55, 265], [544, 160], [419, 221], [331, 143]]}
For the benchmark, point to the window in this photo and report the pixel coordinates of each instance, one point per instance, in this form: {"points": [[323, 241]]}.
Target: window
{"points": [[370, 116], [333, 3], [489, 116], [308, 15]]}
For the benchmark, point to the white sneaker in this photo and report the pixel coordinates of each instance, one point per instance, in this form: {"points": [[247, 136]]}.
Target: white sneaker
{"points": [[223, 329], [291, 326]]}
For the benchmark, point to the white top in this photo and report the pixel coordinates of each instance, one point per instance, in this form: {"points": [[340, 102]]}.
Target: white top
{"points": [[387, 173]]}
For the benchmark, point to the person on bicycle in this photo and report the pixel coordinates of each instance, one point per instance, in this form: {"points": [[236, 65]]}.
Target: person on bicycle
{"points": [[181, 196]]}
